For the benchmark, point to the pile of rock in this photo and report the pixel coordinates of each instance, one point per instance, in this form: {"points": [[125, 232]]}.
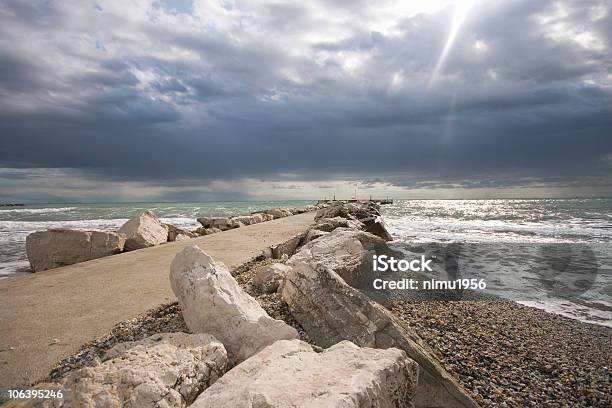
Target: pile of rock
{"points": [[60, 247], [164, 370], [212, 302], [272, 364], [367, 214], [320, 281], [212, 225], [179, 234], [291, 374], [268, 364], [319, 285]]}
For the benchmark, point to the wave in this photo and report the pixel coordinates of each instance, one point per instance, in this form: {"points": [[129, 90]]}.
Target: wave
{"points": [[31, 226], [14, 268], [450, 229], [571, 310], [37, 210]]}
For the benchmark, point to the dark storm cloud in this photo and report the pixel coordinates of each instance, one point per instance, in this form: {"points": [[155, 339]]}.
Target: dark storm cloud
{"points": [[178, 94]]}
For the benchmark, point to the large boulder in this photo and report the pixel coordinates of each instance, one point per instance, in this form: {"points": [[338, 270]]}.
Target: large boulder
{"points": [[376, 226], [358, 215], [268, 277], [330, 224], [331, 311], [278, 212], [313, 234], [249, 219], [60, 247], [264, 216], [206, 231], [288, 247], [177, 234], [143, 231], [165, 370], [257, 218], [291, 374], [342, 250], [222, 223], [213, 302]]}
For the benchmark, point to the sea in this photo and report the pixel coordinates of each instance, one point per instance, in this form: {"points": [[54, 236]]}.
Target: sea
{"points": [[552, 254]]}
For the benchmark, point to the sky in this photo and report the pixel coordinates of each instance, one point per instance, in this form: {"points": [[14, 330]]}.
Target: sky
{"points": [[179, 100]]}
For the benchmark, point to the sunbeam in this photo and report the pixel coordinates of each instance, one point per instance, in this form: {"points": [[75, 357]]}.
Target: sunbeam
{"points": [[462, 7]]}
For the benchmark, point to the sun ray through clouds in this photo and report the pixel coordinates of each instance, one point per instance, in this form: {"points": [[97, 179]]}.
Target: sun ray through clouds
{"points": [[462, 8]]}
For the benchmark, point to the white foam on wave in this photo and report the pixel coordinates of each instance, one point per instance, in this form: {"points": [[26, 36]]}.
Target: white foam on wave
{"points": [[36, 210], [418, 223], [420, 229], [182, 222], [573, 311], [14, 268]]}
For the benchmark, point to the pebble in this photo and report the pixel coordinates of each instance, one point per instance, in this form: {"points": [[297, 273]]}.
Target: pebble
{"points": [[510, 355]]}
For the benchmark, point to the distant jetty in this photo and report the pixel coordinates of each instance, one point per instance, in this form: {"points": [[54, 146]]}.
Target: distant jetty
{"points": [[382, 201], [11, 205]]}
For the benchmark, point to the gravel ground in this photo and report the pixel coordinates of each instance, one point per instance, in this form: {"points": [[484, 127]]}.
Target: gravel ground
{"points": [[509, 355]]}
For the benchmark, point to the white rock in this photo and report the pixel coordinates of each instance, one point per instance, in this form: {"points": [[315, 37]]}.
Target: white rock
{"points": [[245, 219], [330, 224], [174, 232], [165, 370], [60, 247], [268, 277], [291, 374], [257, 218], [266, 253], [331, 311], [356, 210], [376, 225], [288, 247], [313, 234], [143, 231], [342, 250], [207, 231], [212, 302], [278, 212], [222, 223]]}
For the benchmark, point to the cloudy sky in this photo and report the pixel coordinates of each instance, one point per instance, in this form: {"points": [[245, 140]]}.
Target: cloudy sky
{"points": [[180, 100]]}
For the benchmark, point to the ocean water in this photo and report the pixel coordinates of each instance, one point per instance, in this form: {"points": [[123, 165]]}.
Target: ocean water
{"points": [[553, 254], [507, 242], [17, 222]]}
